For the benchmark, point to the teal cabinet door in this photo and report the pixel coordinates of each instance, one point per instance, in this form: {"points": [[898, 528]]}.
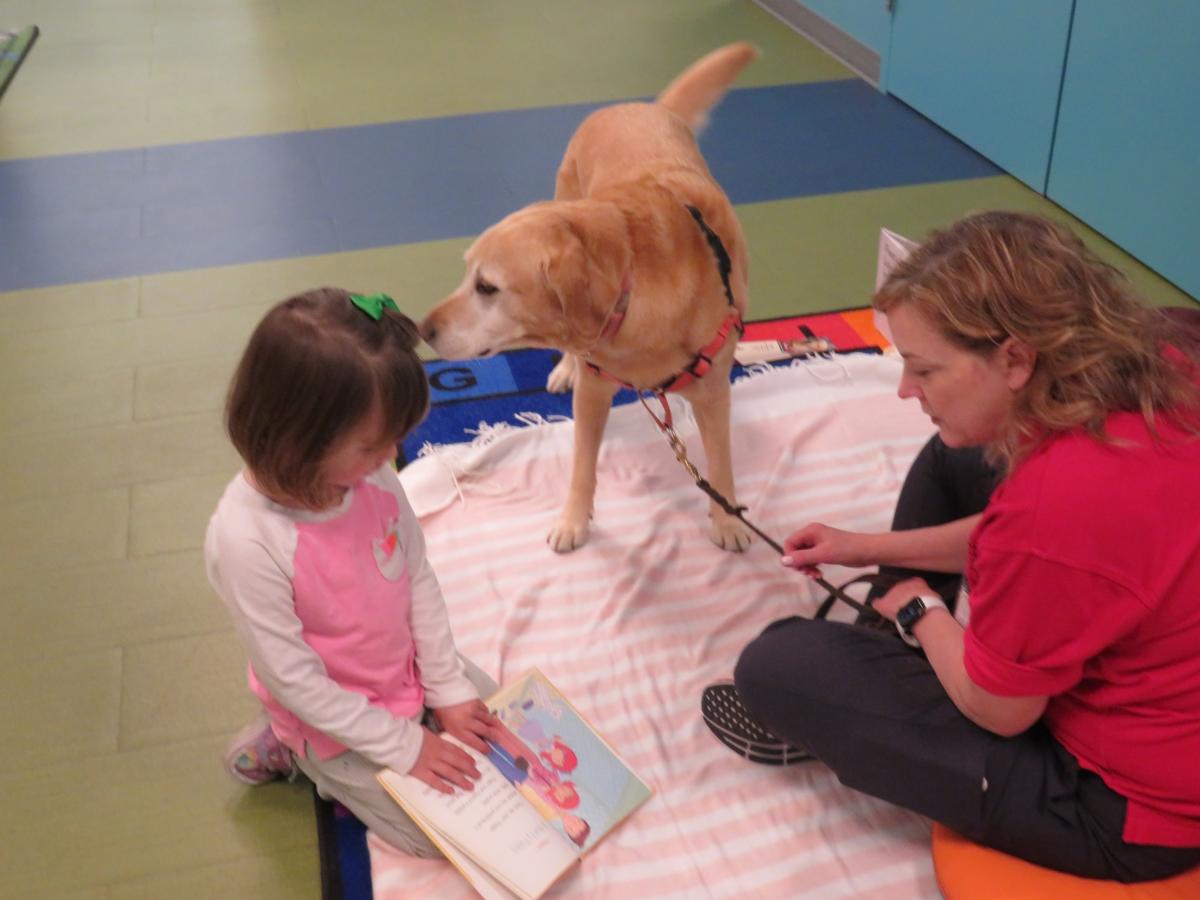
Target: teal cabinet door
{"points": [[867, 21], [1127, 150], [988, 71]]}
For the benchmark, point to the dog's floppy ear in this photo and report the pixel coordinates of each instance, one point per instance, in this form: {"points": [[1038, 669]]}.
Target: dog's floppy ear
{"points": [[586, 259]]}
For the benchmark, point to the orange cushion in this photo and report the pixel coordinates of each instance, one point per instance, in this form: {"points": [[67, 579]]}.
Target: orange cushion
{"points": [[967, 871]]}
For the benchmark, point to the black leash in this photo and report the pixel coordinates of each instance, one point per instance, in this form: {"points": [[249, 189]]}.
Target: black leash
{"points": [[725, 267], [724, 263], [739, 512], [666, 426]]}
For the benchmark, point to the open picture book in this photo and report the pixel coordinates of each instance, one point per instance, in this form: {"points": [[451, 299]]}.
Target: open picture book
{"points": [[550, 789]]}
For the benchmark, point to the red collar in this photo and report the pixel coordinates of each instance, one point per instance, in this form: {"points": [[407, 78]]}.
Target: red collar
{"points": [[697, 368], [702, 361]]}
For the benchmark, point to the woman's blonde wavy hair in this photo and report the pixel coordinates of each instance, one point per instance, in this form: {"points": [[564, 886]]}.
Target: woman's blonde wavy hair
{"points": [[1099, 347]]}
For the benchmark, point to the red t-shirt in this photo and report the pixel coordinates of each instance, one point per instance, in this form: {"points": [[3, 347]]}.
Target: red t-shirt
{"points": [[1085, 587]]}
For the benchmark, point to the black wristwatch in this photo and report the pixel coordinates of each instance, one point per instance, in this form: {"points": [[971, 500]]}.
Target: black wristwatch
{"points": [[913, 611]]}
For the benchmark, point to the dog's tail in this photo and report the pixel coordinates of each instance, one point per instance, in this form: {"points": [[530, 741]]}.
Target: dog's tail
{"points": [[701, 86]]}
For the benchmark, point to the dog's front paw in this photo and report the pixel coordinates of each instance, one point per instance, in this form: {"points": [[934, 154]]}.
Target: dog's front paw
{"points": [[729, 534], [562, 377], [567, 535]]}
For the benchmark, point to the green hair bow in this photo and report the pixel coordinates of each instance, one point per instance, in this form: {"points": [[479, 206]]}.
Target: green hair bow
{"points": [[374, 304]]}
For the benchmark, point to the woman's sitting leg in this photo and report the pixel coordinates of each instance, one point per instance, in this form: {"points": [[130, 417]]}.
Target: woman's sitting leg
{"points": [[871, 709], [942, 485]]}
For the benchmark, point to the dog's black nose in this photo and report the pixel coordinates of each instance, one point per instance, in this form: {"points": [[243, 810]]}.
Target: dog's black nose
{"points": [[427, 330]]}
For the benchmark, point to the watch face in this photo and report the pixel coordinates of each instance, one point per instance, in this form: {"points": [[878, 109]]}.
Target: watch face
{"points": [[910, 613]]}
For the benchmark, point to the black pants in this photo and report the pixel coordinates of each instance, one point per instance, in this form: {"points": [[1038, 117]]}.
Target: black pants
{"points": [[942, 485], [872, 709]]}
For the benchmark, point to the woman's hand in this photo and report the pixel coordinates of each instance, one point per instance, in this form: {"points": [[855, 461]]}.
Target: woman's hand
{"points": [[442, 765], [816, 544], [470, 722]]}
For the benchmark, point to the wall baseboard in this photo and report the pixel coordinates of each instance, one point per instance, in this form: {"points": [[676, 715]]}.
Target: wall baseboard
{"points": [[846, 49]]}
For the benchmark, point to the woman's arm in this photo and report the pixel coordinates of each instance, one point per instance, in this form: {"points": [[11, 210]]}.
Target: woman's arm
{"points": [[941, 638], [939, 548]]}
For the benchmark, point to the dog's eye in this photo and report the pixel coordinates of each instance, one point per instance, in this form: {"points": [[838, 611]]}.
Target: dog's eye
{"points": [[486, 288]]}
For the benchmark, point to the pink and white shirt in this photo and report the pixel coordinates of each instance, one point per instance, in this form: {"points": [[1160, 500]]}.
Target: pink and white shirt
{"points": [[341, 616]]}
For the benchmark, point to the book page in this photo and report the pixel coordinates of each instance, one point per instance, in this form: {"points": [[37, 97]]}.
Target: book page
{"points": [[485, 885], [492, 824], [562, 767]]}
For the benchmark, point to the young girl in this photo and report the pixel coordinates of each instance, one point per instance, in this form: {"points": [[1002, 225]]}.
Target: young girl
{"points": [[319, 558]]}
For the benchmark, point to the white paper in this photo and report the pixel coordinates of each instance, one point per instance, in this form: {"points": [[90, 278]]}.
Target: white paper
{"points": [[892, 248]]}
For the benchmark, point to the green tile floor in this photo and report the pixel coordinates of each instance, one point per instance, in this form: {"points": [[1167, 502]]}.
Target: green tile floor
{"points": [[122, 679]]}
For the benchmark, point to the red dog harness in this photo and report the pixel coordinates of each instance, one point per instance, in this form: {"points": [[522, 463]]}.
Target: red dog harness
{"points": [[702, 362]]}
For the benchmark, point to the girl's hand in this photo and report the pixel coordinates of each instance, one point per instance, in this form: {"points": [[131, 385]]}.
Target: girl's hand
{"points": [[470, 722], [442, 766], [816, 544], [889, 604]]}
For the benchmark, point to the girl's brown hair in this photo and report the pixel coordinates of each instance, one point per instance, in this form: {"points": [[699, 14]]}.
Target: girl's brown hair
{"points": [[312, 370], [1099, 348]]}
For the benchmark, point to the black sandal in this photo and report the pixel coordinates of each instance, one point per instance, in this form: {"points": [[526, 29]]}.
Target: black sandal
{"points": [[732, 725], [726, 715]]}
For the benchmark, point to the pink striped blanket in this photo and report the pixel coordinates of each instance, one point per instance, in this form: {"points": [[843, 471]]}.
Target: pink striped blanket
{"points": [[633, 626]]}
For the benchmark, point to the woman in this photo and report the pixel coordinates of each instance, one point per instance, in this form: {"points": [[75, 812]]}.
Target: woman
{"points": [[1062, 724]]}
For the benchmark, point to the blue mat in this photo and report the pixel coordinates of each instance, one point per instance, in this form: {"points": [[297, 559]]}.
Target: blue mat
{"points": [[468, 394], [342, 844]]}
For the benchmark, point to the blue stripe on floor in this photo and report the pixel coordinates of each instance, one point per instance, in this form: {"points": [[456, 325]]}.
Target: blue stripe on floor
{"points": [[115, 214]]}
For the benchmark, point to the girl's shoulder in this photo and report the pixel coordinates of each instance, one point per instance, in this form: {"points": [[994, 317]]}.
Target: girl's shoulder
{"points": [[241, 501], [244, 517], [248, 542], [387, 479]]}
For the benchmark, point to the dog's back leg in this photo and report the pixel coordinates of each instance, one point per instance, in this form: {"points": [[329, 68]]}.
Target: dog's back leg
{"points": [[566, 187]]}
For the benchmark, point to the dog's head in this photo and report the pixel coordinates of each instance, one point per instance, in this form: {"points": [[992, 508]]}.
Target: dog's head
{"points": [[546, 276]]}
